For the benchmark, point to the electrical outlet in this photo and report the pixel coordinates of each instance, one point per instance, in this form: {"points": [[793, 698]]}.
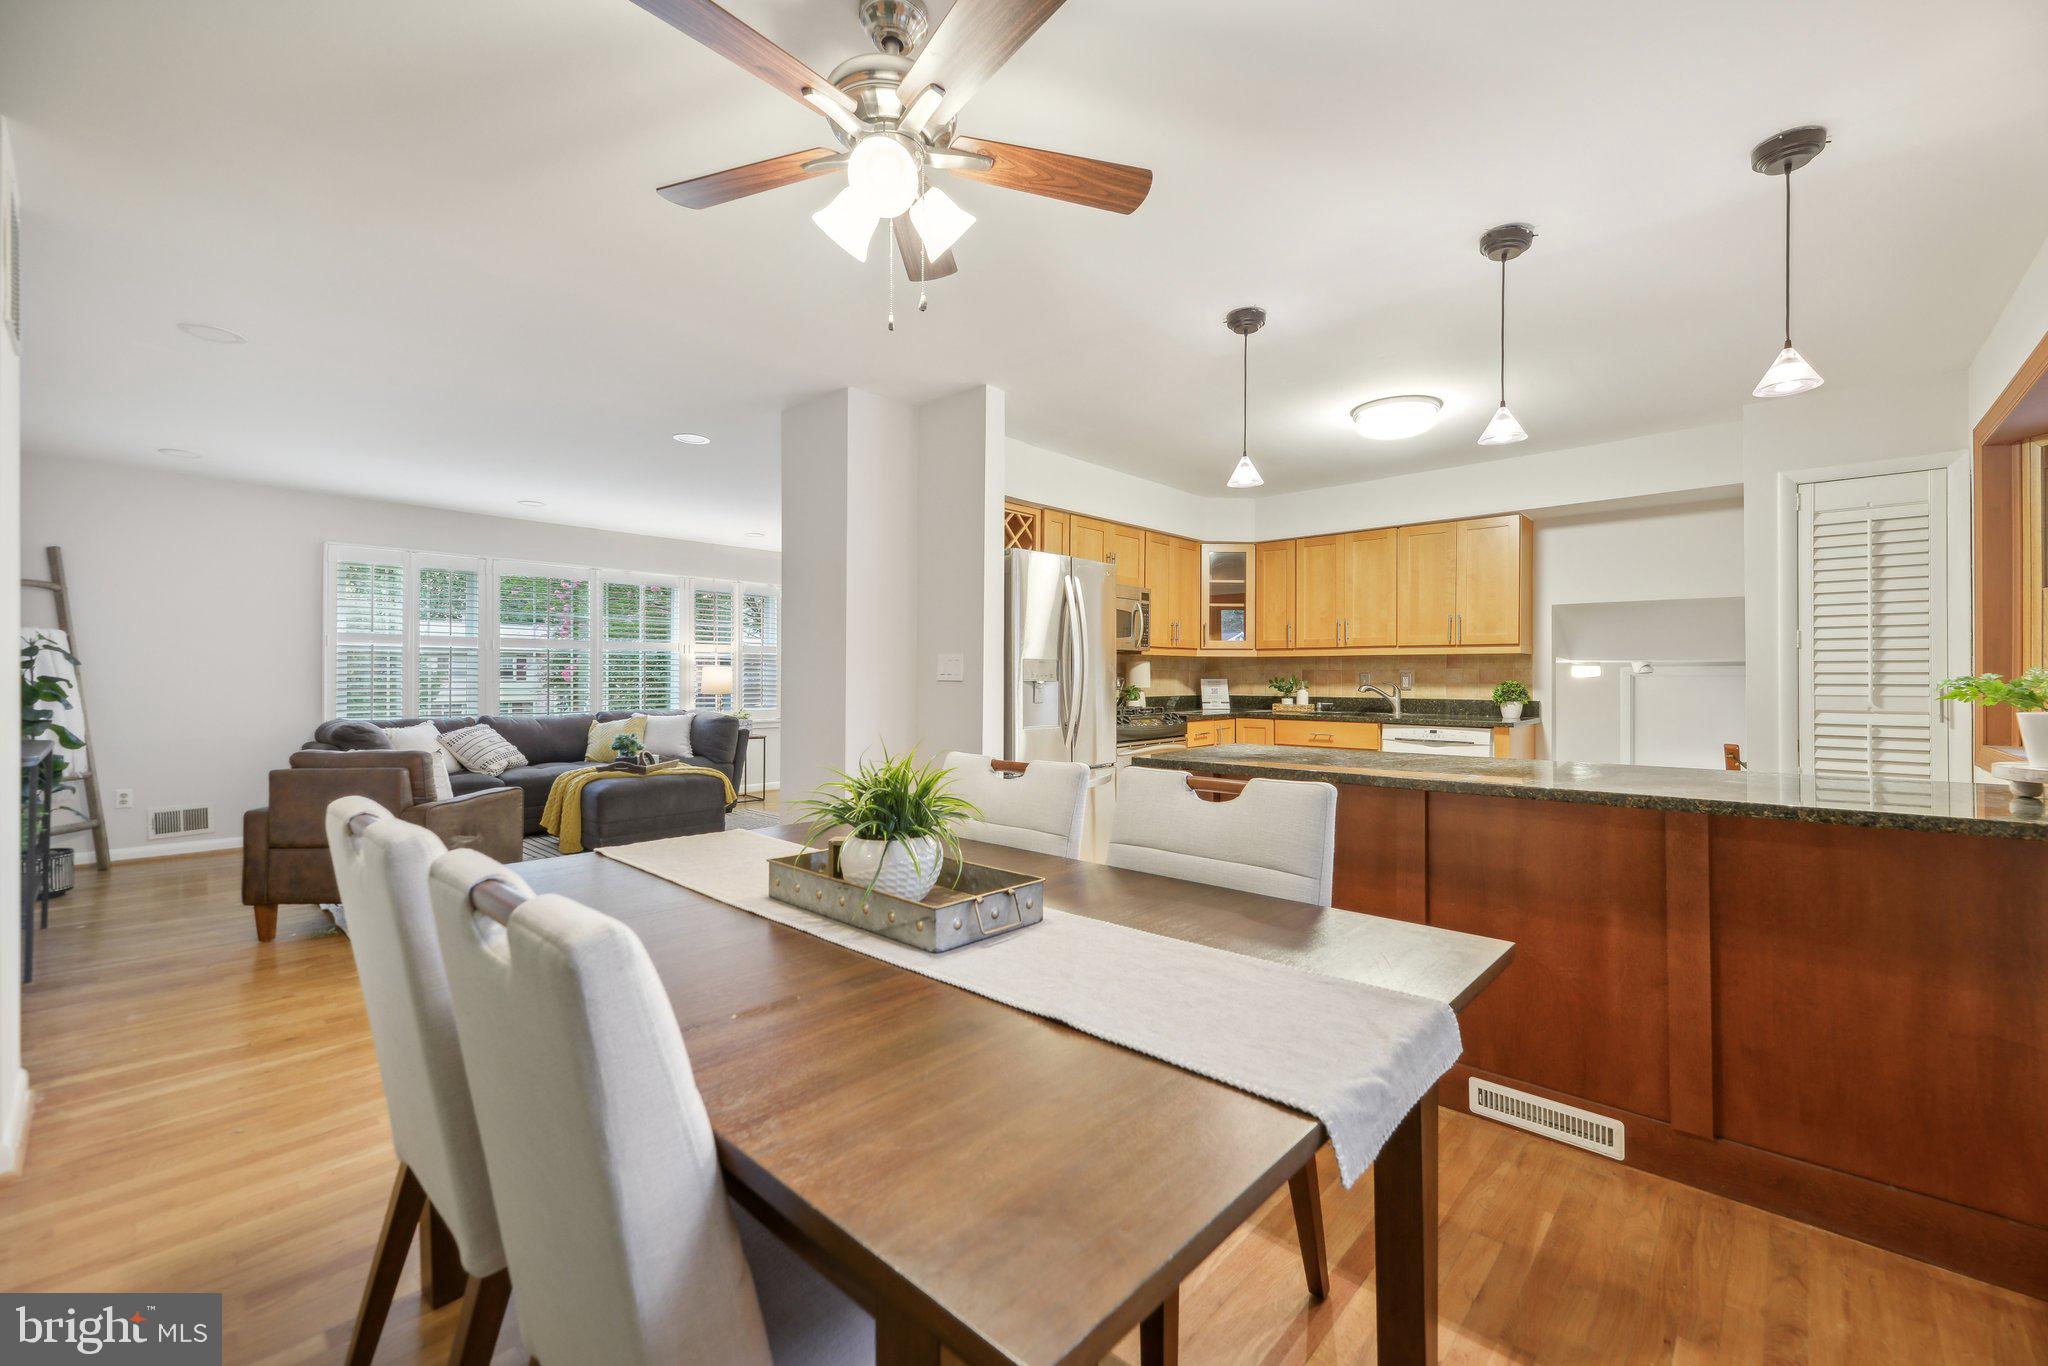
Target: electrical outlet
{"points": [[124, 797], [1407, 679]]}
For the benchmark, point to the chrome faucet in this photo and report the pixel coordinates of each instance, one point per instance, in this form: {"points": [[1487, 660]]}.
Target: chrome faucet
{"points": [[1365, 684]]}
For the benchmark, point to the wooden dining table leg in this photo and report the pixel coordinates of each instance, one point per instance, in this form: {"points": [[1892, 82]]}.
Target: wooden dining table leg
{"points": [[1159, 1334], [1404, 1239], [394, 1240], [1305, 1189], [901, 1342]]}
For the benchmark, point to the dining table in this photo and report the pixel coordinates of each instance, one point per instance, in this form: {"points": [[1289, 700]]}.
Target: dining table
{"points": [[998, 1185]]}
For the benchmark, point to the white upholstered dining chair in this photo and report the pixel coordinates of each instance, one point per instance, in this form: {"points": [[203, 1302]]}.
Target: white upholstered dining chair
{"points": [[1274, 838], [1037, 806], [623, 1241], [441, 1187]]}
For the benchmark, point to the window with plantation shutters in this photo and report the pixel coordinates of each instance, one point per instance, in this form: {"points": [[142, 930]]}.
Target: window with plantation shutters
{"points": [[447, 636], [638, 649], [1873, 629], [366, 632], [543, 640], [713, 643], [760, 680]]}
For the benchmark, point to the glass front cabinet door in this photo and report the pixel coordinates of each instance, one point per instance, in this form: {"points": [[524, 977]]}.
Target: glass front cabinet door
{"points": [[1227, 597]]}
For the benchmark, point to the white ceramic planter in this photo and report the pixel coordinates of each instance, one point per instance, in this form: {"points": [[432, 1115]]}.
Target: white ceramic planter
{"points": [[1510, 711], [2034, 737], [905, 868], [1301, 698]]}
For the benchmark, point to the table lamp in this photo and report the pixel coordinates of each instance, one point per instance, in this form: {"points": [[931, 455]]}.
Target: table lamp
{"points": [[715, 681]]}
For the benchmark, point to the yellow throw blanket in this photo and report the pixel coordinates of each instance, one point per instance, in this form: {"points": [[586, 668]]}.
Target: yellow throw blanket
{"points": [[563, 816]]}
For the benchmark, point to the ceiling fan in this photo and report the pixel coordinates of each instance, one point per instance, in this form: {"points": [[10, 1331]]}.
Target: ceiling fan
{"points": [[887, 144]]}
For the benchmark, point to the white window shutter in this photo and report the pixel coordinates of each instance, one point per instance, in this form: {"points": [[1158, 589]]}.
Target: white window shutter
{"points": [[1873, 628]]}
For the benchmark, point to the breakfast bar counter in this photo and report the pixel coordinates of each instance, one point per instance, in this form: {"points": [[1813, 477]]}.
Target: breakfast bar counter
{"points": [[1826, 999]]}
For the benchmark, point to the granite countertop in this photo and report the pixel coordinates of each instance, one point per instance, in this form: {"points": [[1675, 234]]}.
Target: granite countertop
{"points": [[1955, 808], [1470, 713]]}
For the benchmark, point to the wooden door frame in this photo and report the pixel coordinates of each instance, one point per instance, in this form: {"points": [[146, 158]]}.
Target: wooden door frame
{"points": [[1994, 455]]}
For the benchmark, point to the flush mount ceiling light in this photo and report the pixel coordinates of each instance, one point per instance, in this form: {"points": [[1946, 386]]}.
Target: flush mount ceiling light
{"points": [[1392, 419], [207, 332], [893, 114], [1780, 156], [1504, 244], [1244, 322], [691, 439], [179, 453]]}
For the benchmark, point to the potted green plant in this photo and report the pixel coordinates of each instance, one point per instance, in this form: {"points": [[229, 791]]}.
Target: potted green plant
{"points": [[41, 696], [901, 815], [1290, 689], [630, 750], [1510, 694], [2027, 695]]}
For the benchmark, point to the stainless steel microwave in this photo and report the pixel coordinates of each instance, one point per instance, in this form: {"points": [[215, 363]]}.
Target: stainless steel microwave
{"points": [[1133, 617]]}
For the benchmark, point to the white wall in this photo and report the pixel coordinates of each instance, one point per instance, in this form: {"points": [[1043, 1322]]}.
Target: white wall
{"points": [[198, 605], [1037, 475], [961, 457], [13, 1080], [2012, 338], [1844, 428]]}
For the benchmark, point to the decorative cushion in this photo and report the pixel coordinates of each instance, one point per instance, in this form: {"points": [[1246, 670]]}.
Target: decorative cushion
{"points": [[602, 733], [357, 735], [482, 750], [669, 736], [425, 736]]}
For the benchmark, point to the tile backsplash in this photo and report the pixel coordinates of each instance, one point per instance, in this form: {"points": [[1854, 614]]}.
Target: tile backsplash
{"points": [[1337, 676]]}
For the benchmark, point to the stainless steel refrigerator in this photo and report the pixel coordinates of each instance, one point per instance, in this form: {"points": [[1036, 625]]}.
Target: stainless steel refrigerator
{"points": [[1059, 684]]}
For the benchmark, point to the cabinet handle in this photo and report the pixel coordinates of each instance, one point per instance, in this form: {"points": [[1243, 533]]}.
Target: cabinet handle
{"points": [[1451, 629], [1290, 633]]}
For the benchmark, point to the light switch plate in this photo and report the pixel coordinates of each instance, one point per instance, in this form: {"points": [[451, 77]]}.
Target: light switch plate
{"points": [[1407, 679], [952, 668]]}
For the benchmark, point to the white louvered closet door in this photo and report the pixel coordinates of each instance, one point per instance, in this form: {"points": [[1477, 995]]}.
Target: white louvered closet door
{"points": [[1873, 631]]}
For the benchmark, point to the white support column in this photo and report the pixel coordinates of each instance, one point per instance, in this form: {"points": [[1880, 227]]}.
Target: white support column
{"points": [[962, 450], [13, 1080]]}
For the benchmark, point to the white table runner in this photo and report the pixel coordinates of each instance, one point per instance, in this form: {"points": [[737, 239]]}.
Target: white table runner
{"points": [[1357, 1057]]}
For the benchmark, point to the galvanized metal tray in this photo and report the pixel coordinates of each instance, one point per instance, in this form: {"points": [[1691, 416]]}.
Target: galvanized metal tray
{"points": [[969, 903]]}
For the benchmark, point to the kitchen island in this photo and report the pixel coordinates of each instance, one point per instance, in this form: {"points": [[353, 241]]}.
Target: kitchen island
{"points": [[1825, 999]]}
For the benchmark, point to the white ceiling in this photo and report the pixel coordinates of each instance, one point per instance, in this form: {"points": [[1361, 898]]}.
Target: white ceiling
{"points": [[436, 224]]}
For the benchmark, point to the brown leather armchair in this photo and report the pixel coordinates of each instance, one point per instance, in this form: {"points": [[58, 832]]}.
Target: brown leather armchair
{"points": [[284, 845]]}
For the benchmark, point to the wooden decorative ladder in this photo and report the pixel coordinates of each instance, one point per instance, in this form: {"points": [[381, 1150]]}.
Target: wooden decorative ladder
{"points": [[89, 782]]}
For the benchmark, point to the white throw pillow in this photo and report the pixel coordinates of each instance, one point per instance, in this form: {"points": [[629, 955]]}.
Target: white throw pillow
{"points": [[426, 738], [669, 736], [480, 749]]}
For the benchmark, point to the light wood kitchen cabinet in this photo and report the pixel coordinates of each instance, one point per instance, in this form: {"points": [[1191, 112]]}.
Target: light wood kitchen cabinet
{"points": [[1326, 734], [1052, 531], [1226, 596], [1087, 539], [1023, 526], [1173, 578], [1127, 553], [1370, 579], [1202, 734], [1426, 570], [1273, 596], [1319, 592], [1493, 577], [1254, 730]]}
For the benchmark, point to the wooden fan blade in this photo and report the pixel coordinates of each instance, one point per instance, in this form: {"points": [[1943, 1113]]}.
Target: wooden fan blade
{"points": [[1056, 175], [721, 186], [743, 46], [909, 245], [972, 42]]}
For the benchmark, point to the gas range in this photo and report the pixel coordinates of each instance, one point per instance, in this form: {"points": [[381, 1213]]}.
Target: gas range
{"points": [[1148, 726]]}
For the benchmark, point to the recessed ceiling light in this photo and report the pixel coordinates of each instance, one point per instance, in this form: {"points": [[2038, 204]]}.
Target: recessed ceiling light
{"points": [[179, 453], [1391, 419], [531, 503], [757, 535], [691, 439], [207, 332]]}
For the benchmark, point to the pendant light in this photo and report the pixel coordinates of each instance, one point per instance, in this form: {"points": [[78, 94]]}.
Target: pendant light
{"points": [[1244, 322], [1781, 156], [1504, 244]]}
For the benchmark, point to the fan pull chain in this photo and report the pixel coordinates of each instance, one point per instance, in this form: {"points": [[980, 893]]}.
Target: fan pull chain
{"points": [[889, 269], [924, 265]]}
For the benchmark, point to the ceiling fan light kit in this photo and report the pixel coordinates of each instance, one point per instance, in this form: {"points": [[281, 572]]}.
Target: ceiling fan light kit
{"points": [[890, 144], [1781, 155], [1504, 244]]}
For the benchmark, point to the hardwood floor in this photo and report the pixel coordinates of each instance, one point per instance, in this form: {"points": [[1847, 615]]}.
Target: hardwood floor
{"points": [[209, 1118]]}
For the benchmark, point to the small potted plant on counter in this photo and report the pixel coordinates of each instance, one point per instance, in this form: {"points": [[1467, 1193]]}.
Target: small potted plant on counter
{"points": [[2027, 695], [902, 818], [1510, 694], [1290, 689]]}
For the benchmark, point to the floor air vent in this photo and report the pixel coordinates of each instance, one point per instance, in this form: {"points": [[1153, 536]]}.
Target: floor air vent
{"points": [[1566, 1123], [166, 821]]}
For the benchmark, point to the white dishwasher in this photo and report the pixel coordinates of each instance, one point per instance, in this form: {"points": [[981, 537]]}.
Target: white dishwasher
{"points": [[1463, 742]]}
